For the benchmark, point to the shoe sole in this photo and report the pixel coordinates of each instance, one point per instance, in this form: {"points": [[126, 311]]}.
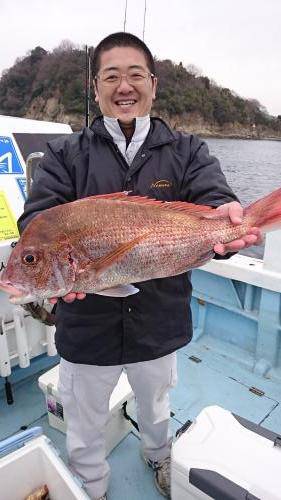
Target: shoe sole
{"points": [[162, 492]]}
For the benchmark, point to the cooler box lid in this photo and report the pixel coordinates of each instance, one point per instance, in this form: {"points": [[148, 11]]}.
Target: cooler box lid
{"points": [[48, 382], [216, 441]]}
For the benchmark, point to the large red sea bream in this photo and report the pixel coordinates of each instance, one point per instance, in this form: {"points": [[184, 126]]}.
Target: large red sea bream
{"points": [[105, 244]]}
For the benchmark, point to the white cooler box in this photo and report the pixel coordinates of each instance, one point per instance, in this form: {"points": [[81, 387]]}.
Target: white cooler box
{"points": [[34, 464], [225, 457], [117, 427]]}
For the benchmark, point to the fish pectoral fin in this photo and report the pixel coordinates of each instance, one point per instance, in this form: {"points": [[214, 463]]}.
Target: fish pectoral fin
{"points": [[119, 291], [101, 264], [203, 259]]}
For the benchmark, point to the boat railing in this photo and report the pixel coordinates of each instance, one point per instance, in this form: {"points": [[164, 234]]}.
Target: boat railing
{"points": [[32, 163], [236, 307]]}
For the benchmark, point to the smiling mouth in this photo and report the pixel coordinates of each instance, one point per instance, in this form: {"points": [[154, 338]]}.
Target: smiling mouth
{"points": [[125, 104]]}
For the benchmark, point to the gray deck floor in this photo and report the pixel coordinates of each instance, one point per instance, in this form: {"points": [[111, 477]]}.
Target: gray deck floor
{"points": [[213, 380]]}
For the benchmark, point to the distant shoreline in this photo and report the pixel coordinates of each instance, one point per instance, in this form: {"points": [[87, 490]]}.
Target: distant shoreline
{"points": [[228, 131], [241, 137]]}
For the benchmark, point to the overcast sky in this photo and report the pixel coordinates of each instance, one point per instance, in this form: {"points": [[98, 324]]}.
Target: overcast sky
{"points": [[237, 43]]}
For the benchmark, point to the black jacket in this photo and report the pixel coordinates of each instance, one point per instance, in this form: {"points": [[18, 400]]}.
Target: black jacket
{"points": [[169, 166]]}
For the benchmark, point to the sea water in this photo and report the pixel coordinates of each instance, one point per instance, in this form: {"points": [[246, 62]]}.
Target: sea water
{"points": [[252, 169]]}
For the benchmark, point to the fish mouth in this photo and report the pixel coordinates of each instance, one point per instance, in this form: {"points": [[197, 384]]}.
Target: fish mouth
{"points": [[17, 296], [8, 287], [21, 296]]}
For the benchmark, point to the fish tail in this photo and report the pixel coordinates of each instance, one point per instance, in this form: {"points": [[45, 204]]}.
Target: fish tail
{"points": [[266, 212]]}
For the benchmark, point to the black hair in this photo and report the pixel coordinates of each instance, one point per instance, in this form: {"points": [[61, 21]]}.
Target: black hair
{"points": [[120, 39]]}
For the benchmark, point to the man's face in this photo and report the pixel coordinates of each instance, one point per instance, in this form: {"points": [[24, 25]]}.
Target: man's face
{"points": [[122, 99]]}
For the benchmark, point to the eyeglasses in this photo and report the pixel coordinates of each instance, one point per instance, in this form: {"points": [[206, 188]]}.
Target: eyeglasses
{"points": [[133, 78]]}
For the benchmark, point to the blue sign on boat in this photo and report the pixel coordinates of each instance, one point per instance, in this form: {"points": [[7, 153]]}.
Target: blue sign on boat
{"points": [[9, 160], [22, 185]]}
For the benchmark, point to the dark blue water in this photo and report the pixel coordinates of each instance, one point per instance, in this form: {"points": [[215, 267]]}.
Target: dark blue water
{"points": [[252, 169]]}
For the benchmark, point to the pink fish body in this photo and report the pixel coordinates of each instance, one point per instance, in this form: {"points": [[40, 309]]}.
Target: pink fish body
{"points": [[103, 244]]}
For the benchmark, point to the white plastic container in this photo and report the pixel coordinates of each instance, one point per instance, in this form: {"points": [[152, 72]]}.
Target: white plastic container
{"points": [[225, 457], [118, 427], [35, 464]]}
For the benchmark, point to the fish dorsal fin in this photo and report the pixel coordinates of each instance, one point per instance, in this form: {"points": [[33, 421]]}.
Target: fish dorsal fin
{"points": [[120, 195], [179, 206]]}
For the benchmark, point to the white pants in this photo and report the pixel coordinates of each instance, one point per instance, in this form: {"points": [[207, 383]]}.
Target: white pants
{"points": [[85, 391]]}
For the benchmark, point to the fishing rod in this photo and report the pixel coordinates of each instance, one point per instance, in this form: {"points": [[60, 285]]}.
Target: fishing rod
{"points": [[125, 16], [5, 364], [144, 16], [87, 84]]}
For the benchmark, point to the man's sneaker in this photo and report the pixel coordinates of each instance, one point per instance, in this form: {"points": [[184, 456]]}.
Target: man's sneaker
{"points": [[104, 497], [162, 475]]}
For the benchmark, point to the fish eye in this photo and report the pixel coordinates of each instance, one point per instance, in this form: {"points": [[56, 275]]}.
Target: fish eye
{"points": [[29, 259]]}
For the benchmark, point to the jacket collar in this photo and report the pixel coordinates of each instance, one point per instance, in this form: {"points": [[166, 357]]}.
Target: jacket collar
{"points": [[141, 129], [159, 134]]}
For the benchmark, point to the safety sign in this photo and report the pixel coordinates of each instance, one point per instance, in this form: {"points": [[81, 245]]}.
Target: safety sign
{"points": [[8, 225], [22, 185], [9, 160]]}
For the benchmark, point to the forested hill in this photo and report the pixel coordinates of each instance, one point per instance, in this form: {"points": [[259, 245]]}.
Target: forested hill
{"points": [[50, 86]]}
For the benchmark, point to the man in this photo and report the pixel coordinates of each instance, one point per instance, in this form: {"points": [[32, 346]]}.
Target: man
{"points": [[98, 337]]}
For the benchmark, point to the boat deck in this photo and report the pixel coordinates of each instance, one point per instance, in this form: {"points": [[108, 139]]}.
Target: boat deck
{"points": [[207, 376]]}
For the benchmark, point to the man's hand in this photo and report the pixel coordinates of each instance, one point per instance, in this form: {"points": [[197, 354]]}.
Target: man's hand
{"points": [[70, 297], [235, 212]]}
